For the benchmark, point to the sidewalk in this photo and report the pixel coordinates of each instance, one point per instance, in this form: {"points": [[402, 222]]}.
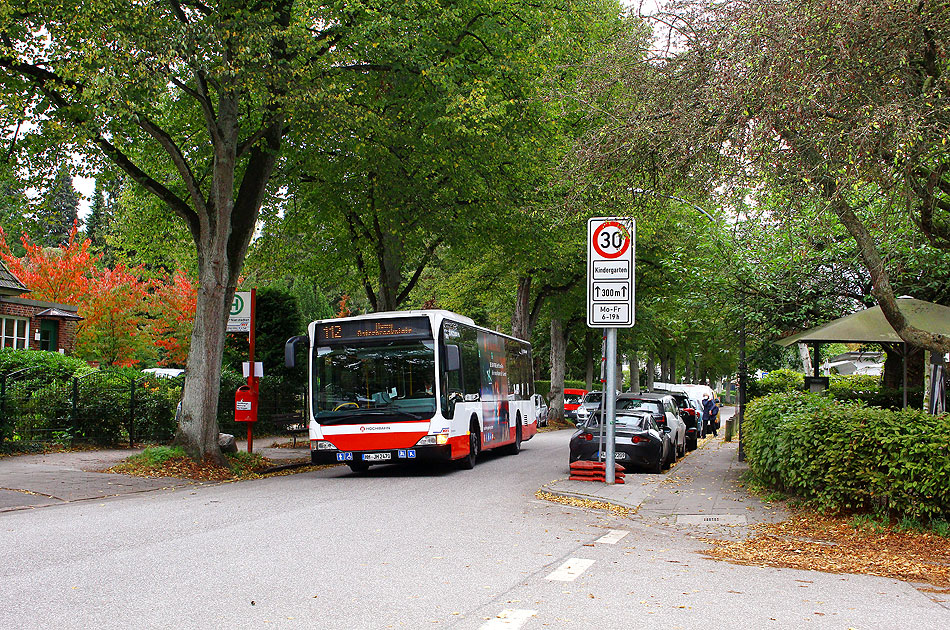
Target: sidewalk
{"points": [[34, 481], [701, 493]]}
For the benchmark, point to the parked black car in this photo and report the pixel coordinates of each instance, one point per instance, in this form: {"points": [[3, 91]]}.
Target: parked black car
{"points": [[639, 442]]}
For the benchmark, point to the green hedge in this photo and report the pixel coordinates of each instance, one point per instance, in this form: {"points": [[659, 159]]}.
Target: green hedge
{"points": [[857, 387], [845, 455], [776, 381]]}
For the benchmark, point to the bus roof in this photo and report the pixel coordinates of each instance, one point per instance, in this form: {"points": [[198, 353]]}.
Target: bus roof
{"points": [[439, 314]]}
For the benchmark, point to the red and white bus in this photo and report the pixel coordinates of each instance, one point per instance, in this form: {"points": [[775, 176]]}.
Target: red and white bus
{"points": [[410, 386]]}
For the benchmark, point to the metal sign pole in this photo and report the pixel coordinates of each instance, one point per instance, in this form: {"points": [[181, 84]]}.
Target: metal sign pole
{"points": [[251, 377], [601, 410], [611, 407]]}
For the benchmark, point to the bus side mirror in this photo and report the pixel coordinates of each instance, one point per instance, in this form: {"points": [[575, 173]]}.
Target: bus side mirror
{"points": [[290, 349], [453, 361]]}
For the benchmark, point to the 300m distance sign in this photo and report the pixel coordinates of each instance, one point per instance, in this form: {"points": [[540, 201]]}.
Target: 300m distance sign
{"points": [[611, 243]]}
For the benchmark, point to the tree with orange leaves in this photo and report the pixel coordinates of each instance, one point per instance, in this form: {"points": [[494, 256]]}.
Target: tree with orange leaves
{"points": [[174, 305], [54, 274], [126, 319], [115, 328]]}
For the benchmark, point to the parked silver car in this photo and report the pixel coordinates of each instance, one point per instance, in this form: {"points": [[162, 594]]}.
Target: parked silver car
{"points": [[664, 411], [541, 410]]}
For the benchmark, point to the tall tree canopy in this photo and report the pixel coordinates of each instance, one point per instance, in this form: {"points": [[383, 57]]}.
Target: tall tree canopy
{"points": [[201, 102], [59, 211], [192, 101], [843, 104]]}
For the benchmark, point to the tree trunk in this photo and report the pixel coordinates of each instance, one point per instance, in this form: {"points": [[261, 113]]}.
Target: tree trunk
{"points": [[672, 368], [806, 359], [558, 353], [634, 369], [651, 371], [589, 363], [619, 384], [521, 317], [198, 426]]}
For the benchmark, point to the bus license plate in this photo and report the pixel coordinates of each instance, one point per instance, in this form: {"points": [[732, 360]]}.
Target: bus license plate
{"points": [[376, 457]]}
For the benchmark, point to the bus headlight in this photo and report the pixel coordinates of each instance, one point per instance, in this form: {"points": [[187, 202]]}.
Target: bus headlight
{"points": [[321, 445], [433, 440]]}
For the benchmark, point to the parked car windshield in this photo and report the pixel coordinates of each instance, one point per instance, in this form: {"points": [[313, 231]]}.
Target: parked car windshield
{"points": [[572, 399], [628, 422], [652, 406]]}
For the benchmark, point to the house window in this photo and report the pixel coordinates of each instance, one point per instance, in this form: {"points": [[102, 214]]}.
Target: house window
{"points": [[14, 332]]}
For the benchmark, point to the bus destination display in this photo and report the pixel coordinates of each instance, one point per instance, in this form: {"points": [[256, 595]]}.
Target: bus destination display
{"points": [[364, 330]]}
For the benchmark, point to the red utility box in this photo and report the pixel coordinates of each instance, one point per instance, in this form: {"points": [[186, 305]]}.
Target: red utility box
{"points": [[245, 404]]}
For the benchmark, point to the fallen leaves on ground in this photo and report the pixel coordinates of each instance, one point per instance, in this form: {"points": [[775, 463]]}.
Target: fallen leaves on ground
{"points": [[243, 468], [584, 503], [187, 468], [816, 542]]}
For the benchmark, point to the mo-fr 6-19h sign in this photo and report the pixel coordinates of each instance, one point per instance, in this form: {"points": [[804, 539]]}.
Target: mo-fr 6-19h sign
{"points": [[611, 243]]}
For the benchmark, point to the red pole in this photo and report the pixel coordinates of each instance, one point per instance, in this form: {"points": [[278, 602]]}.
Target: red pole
{"points": [[251, 378]]}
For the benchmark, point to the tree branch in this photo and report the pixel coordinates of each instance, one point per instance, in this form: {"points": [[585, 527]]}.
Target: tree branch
{"points": [[430, 251]]}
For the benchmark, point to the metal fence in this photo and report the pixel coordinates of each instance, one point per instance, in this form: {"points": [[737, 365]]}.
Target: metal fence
{"points": [[111, 407], [102, 407]]}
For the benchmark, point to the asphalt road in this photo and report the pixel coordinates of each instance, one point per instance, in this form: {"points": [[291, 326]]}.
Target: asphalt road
{"points": [[402, 548]]}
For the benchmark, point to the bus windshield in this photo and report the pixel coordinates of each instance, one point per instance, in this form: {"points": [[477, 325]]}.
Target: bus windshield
{"points": [[378, 382]]}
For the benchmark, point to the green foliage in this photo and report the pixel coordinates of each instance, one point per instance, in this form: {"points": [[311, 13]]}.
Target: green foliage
{"points": [[59, 211], [59, 398], [157, 455], [49, 365], [243, 464], [856, 387], [777, 381], [845, 456], [278, 318]]}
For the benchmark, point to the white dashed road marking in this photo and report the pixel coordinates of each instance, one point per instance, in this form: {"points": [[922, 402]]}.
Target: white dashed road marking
{"points": [[613, 537], [508, 619], [569, 571]]}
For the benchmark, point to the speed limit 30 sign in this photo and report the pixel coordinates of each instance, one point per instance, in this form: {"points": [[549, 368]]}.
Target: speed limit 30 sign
{"points": [[610, 272]]}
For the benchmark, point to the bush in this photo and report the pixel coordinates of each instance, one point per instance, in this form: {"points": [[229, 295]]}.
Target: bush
{"points": [[156, 401], [845, 455], [855, 387], [777, 381]]}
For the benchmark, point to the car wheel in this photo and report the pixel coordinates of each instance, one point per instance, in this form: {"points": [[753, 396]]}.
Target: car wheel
{"points": [[474, 447], [692, 443], [656, 467], [668, 460]]}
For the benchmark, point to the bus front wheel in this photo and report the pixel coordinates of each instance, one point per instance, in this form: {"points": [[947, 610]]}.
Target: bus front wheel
{"points": [[474, 447]]}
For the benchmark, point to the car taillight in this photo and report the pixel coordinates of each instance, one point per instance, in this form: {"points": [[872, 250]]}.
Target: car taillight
{"points": [[636, 439], [587, 436]]}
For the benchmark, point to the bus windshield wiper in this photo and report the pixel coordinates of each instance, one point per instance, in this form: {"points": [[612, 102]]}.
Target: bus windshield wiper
{"points": [[353, 415], [389, 409]]}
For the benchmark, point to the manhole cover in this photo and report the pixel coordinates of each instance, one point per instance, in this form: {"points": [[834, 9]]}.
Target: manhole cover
{"points": [[711, 519]]}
